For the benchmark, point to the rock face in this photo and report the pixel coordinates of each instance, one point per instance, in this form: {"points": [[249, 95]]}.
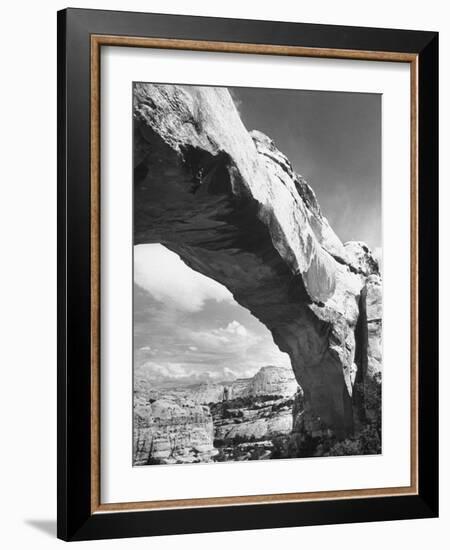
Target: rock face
{"points": [[258, 416], [269, 380], [172, 430], [176, 425], [229, 203], [373, 297], [360, 258], [258, 421], [200, 394], [206, 393]]}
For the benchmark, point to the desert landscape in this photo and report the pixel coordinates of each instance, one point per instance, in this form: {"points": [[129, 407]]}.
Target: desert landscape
{"points": [[226, 203]]}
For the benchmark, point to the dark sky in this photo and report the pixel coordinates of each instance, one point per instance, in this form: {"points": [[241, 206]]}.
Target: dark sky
{"points": [[333, 139]]}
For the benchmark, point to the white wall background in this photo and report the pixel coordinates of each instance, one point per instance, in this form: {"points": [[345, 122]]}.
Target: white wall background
{"points": [[28, 273]]}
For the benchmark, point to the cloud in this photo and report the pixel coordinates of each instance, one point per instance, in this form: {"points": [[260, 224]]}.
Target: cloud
{"points": [[169, 280], [235, 329], [226, 340], [189, 329]]}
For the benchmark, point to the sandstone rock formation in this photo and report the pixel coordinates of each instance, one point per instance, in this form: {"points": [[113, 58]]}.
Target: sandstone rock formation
{"points": [[172, 430], [269, 380], [229, 203], [205, 393], [360, 258], [372, 294], [263, 422], [272, 380], [175, 425], [264, 406], [200, 394]]}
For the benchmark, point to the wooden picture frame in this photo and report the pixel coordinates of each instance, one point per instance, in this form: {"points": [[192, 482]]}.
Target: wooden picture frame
{"points": [[81, 35]]}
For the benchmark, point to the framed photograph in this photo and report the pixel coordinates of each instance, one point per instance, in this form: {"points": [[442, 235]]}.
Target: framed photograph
{"points": [[247, 253]]}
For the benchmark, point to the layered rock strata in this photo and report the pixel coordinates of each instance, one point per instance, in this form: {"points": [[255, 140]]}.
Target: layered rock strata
{"points": [[269, 380], [259, 421], [176, 426], [172, 430]]}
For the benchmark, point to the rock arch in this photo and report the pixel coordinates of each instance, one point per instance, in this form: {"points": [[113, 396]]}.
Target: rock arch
{"points": [[229, 203]]}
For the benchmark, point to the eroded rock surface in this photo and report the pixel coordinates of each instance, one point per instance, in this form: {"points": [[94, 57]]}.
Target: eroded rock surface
{"points": [[269, 380], [373, 298], [206, 393], [262, 406], [172, 430], [258, 421], [183, 424], [229, 203]]}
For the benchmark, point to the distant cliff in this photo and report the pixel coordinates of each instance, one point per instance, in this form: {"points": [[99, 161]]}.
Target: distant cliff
{"points": [[172, 430], [176, 425], [270, 380]]}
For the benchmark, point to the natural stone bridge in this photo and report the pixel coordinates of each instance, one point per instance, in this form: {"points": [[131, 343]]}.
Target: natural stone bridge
{"points": [[230, 205]]}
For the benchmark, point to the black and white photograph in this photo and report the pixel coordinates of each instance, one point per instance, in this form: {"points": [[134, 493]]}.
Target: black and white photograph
{"points": [[222, 263], [257, 274]]}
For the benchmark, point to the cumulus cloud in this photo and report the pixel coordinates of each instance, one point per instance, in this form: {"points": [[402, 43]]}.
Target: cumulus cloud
{"points": [[179, 338], [168, 279], [229, 339], [235, 329]]}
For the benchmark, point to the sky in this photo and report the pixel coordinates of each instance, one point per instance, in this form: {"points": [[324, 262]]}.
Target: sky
{"points": [[187, 327], [333, 139]]}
